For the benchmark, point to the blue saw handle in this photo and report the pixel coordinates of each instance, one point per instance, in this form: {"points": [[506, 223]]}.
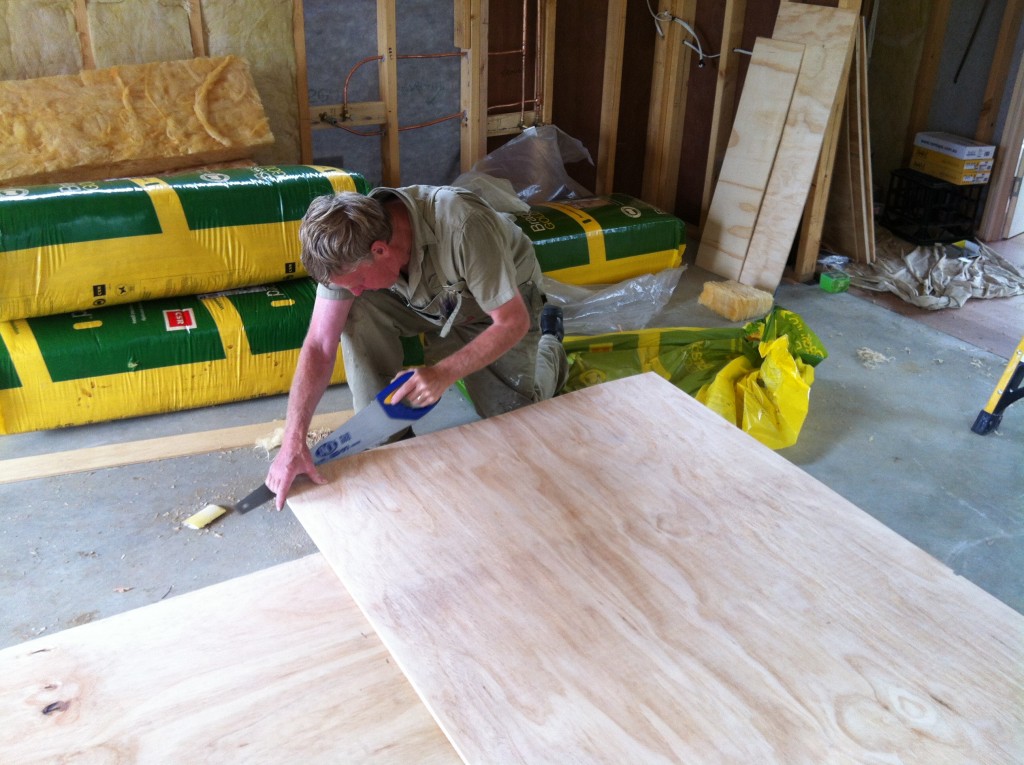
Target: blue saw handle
{"points": [[401, 410]]}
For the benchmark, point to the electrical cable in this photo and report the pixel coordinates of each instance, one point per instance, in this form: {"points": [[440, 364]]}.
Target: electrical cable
{"points": [[698, 48]]}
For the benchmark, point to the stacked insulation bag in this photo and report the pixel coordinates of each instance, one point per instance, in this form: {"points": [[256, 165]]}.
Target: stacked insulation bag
{"points": [[757, 377], [144, 295], [603, 239]]}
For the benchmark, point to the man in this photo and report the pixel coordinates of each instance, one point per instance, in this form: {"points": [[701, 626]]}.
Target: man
{"points": [[428, 260]]}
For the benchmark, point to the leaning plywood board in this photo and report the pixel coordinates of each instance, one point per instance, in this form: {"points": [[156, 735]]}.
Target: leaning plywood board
{"points": [[828, 35], [748, 161], [277, 666], [847, 222], [618, 575]]}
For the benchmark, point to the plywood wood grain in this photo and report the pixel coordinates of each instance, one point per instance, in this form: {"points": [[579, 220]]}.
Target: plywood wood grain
{"points": [[748, 161], [828, 35], [618, 575], [275, 667]]}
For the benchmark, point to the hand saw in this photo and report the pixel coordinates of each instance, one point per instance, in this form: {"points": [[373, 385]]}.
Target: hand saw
{"points": [[369, 427]]}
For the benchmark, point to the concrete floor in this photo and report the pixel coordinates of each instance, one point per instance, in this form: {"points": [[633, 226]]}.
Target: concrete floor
{"points": [[893, 438]]}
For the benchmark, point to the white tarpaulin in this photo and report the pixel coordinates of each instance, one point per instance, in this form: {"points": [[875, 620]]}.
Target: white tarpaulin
{"points": [[937, 276]]}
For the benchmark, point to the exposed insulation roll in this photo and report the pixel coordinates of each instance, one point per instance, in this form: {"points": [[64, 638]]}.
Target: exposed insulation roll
{"points": [[158, 356], [131, 119], [603, 240], [74, 247], [735, 301]]}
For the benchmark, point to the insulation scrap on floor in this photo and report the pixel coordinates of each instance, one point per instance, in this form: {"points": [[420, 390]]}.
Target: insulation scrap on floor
{"points": [[75, 247], [131, 119], [151, 357], [735, 301], [937, 276], [757, 376], [604, 239]]}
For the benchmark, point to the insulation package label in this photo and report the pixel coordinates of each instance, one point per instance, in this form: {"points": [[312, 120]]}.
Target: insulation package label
{"points": [[154, 356], [601, 240], [77, 246]]}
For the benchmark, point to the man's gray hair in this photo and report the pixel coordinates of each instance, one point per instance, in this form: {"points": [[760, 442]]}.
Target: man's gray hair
{"points": [[338, 231]]}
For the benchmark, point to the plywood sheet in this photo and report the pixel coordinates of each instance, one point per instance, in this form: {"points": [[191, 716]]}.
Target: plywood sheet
{"points": [[828, 34], [618, 575], [278, 666], [748, 161]]}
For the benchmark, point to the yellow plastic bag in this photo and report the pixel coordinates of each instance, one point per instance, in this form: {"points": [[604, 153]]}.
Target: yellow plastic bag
{"points": [[770, 402], [758, 376]]}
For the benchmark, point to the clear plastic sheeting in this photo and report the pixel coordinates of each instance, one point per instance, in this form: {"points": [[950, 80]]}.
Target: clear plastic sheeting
{"points": [[937, 276], [628, 305], [534, 164]]}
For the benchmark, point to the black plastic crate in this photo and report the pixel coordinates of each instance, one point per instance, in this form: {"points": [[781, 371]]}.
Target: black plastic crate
{"points": [[926, 210]]}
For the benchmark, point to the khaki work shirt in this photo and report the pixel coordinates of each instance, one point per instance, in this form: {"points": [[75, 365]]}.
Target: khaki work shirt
{"points": [[466, 259]]}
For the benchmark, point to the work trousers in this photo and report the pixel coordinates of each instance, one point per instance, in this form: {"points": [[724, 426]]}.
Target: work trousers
{"points": [[532, 370]]}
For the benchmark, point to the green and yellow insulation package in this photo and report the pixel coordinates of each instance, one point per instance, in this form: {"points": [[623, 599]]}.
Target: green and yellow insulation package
{"points": [[151, 357], [78, 246], [603, 240]]}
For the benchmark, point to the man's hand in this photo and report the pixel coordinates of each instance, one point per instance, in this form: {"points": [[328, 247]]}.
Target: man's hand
{"points": [[509, 324], [425, 387], [290, 463]]}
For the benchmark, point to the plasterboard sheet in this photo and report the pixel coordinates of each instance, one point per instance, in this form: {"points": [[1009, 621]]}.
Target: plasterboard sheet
{"points": [[618, 575]]}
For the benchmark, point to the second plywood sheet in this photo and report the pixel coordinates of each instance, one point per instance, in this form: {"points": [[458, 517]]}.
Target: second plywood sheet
{"points": [[620, 576], [828, 34], [748, 160]]}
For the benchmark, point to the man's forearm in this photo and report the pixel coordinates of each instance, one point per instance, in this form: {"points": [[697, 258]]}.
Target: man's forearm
{"points": [[312, 376], [486, 348]]}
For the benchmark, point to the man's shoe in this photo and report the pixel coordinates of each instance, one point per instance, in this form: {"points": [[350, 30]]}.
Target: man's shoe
{"points": [[551, 321]]}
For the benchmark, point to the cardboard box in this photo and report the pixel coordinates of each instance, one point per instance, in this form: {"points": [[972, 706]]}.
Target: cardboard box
{"points": [[962, 172], [936, 159], [955, 145]]}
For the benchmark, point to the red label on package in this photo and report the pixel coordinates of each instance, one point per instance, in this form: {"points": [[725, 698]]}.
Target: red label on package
{"points": [[183, 318]]}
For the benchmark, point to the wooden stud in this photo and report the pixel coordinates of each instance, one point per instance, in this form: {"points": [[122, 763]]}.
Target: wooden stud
{"points": [[471, 38], [546, 18], [668, 108], [353, 114], [927, 74], [387, 48], [999, 72], [84, 35], [194, 9], [510, 123], [148, 450], [995, 220], [615, 36], [302, 84], [867, 177], [725, 100]]}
